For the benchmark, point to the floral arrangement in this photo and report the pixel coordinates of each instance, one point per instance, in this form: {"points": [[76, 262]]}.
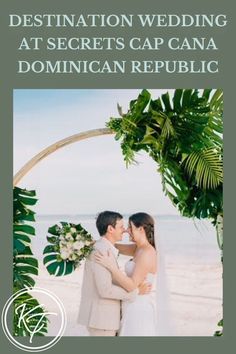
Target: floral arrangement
{"points": [[69, 245]]}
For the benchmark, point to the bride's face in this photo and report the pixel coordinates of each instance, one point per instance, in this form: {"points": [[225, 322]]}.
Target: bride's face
{"points": [[136, 233]]}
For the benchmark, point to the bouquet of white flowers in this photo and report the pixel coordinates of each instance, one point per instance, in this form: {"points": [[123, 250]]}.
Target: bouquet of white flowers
{"points": [[69, 245]]}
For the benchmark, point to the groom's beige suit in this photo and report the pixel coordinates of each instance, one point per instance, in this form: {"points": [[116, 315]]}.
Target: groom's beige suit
{"points": [[101, 297]]}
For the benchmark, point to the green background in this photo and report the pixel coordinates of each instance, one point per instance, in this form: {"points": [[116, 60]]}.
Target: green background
{"points": [[225, 39]]}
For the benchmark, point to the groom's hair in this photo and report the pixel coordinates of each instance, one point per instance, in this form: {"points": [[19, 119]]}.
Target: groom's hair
{"points": [[106, 218]]}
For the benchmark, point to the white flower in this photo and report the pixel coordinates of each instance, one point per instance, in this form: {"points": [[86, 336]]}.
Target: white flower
{"points": [[79, 253], [73, 230], [70, 246], [64, 253], [63, 247], [78, 237], [72, 257], [61, 237], [62, 243], [78, 245], [87, 243], [68, 236]]}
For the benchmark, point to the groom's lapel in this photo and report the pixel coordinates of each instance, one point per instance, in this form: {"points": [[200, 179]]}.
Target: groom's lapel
{"points": [[116, 260], [106, 245]]}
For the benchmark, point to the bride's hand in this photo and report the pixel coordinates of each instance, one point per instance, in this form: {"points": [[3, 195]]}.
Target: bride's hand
{"points": [[106, 260], [144, 288]]}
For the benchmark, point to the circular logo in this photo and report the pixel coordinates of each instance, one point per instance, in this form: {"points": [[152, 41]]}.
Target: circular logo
{"points": [[48, 308]]}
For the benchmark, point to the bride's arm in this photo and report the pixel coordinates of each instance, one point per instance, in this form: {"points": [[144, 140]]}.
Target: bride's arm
{"points": [[126, 249], [128, 283]]}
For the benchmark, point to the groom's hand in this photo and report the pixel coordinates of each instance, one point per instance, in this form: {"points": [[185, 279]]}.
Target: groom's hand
{"points": [[144, 288], [106, 260]]}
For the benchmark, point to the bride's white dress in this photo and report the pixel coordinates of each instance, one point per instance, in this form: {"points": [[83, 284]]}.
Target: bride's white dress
{"points": [[139, 317]]}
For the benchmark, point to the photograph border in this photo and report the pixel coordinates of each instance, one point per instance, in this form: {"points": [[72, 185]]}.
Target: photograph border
{"points": [[11, 80]]}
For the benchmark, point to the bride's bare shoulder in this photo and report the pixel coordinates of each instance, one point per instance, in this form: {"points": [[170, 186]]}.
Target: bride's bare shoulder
{"points": [[150, 249], [153, 253], [146, 252], [150, 258]]}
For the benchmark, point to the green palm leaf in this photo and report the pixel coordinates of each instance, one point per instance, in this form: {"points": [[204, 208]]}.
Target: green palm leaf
{"points": [[215, 125], [177, 100], [216, 102], [206, 166], [55, 264], [166, 101], [25, 266], [167, 128], [33, 311]]}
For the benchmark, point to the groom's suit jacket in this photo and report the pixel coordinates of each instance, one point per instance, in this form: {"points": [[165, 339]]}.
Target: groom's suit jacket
{"points": [[100, 297]]}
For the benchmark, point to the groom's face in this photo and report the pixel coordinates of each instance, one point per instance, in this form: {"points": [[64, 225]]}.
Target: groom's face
{"points": [[118, 230]]}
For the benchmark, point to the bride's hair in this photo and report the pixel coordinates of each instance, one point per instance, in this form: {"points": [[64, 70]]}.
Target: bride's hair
{"points": [[147, 222]]}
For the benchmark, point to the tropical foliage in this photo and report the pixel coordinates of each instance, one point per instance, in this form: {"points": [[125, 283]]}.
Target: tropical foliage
{"points": [[33, 312], [25, 265], [69, 245], [183, 135], [219, 333]]}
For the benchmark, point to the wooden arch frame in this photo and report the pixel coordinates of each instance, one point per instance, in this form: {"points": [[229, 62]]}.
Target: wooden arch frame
{"points": [[56, 146]]}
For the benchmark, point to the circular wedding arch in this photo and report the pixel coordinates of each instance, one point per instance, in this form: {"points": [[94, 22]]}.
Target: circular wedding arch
{"points": [[56, 146], [182, 99]]}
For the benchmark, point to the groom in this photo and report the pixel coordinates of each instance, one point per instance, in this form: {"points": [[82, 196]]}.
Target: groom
{"points": [[100, 305]]}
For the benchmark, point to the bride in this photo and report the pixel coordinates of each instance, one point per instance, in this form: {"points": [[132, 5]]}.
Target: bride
{"points": [[139, 317]]}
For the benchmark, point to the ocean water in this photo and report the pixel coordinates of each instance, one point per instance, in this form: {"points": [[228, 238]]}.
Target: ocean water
{"points": [[182, 240]]}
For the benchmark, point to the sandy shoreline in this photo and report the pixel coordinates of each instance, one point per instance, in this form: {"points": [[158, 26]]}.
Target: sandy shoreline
{"points": [[196, 296]]}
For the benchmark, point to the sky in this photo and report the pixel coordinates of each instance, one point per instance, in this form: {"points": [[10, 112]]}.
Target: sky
{"points": [[88, 176]]}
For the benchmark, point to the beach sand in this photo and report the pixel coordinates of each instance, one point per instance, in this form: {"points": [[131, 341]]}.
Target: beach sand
{"points": [[196, 297]]}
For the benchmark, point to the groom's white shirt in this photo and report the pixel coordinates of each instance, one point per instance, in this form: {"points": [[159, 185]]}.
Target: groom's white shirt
{"points": [[100, 297]]}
